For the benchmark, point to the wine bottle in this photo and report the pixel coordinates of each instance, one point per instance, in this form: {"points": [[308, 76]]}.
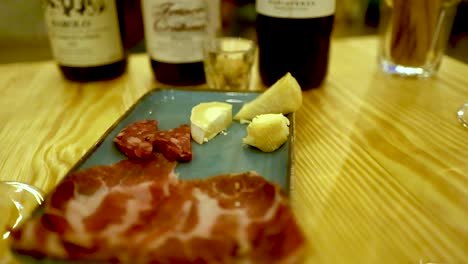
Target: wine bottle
{"points": [[86, 38], [294, 36], [174, 34]]}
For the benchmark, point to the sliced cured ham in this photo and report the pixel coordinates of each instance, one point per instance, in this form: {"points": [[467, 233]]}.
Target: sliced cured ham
{"points": [[175, 144], [136, 140], [138, 212]]}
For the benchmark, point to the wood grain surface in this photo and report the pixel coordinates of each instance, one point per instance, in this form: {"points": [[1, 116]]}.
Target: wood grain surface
{"points": [[381, 163]]}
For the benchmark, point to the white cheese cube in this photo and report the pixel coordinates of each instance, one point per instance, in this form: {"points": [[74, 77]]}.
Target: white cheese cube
{"points": [[209, 119]]}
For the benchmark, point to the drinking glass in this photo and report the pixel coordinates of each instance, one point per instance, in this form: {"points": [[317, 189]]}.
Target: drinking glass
{"points": [[414, 34], [17, 201], [462, 115], [228, 62]]}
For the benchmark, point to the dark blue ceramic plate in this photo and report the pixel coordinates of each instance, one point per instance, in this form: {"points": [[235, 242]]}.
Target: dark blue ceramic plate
{"points": [[221, 155]]}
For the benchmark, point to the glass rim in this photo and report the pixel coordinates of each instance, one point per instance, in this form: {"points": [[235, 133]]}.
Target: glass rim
{"points": [[245, 45], [36, 192]]}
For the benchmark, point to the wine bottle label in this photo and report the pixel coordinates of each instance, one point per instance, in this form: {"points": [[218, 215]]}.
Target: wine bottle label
{"points": [[175, 30], [214, 27], [296, 8], [84, 33]]}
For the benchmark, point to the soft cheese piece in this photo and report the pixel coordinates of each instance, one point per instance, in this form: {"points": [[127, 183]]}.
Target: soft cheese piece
{"points": [[283, 97], [209, 119], [267, 132]]}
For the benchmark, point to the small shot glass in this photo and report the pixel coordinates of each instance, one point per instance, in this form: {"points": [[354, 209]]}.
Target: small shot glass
{"points": [[228, 62]]}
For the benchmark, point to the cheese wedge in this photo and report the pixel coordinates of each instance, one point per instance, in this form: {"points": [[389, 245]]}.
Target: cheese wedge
{"points": [[267, 132], [283, 97], [209, 119]]}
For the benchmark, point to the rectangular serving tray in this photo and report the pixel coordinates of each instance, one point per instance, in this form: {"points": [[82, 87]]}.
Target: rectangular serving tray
{"points": [[223, 154]]}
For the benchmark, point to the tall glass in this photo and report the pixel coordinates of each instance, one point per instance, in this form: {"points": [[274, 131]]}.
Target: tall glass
{"points": [[17, 201], [414, 34], [462, 115]]}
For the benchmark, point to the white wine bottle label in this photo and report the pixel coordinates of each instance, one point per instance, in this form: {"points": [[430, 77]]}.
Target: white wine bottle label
{"points": [[84, 33], [214, 27], [296, 8], [175, 30]]}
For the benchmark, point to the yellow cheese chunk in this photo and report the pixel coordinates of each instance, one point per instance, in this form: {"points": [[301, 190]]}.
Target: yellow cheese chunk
{"points": [[267, 132], [209, 119]]}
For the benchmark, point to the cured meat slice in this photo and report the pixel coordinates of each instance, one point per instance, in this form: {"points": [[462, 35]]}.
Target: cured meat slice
{"points": [[136, 140], [236, 218], [88, 214], [135, 212], [175, 144], [141, 139]]}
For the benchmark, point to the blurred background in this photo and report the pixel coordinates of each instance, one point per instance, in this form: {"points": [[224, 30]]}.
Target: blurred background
{"points": [[23, 35]]}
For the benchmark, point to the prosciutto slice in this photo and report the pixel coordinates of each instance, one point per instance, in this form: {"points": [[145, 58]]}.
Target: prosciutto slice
{"points": [[138, 212]]}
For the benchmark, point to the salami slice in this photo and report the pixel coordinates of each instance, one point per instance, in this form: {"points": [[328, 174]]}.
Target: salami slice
{"points": [[136, 212], [136, 140], [175, 144]]}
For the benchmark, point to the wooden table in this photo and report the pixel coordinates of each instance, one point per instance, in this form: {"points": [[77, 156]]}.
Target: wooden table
{"points": [[381, 169]]}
